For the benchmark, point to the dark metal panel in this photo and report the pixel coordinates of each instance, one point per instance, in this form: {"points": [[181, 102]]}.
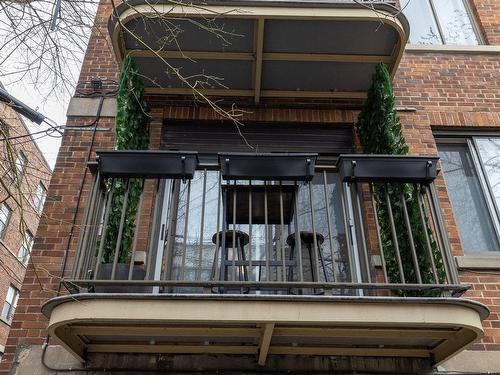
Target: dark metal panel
{"points": [[316, 76], [209, 74], [193, 34], [217, 136], [325, 36]]}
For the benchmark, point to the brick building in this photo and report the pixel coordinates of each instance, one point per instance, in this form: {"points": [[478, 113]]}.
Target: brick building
{"points": [[27, 189], [291, 274]]}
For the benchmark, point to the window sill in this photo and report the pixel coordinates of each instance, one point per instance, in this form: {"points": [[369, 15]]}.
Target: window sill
{"points": [[468, 262], [488, 49]]}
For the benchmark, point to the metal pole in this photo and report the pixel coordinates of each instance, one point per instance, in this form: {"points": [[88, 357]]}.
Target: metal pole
{"points": [[381, 247], [394, 235], [410, 237], [427, 239], [120, 231]]}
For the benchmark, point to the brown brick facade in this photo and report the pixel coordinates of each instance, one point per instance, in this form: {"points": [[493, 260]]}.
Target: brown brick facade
{"points": [[14, 195], [438, 89]]}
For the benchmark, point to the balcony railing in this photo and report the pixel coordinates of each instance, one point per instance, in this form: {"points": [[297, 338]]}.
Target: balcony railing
{"points": [[240, 227]]}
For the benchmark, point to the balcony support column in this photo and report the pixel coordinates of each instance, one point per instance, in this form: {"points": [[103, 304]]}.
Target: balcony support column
{"points": [[265, 342]]}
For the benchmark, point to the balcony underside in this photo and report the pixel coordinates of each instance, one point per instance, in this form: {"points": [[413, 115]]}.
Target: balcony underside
{"points": [[433, 328], [246, 49]]}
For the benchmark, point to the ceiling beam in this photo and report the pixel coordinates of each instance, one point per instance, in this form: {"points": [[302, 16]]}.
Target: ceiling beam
{"points": [[259, 46], [203, 55], [326, 57]]}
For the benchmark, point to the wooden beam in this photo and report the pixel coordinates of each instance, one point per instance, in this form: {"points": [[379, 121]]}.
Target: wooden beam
{"points": [[259, 45], [173, 349], [364, 332], [186, 91], [313, 94], [326, 57], [206, 55], [349, 351], [265, 342], [164, 331]]}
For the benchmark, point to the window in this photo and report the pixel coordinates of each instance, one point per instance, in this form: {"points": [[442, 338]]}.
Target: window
{"points": [[10, 304], [440, 22], [472, 175], [20, 164], [25, 250], [5, 213], [39, 197]]}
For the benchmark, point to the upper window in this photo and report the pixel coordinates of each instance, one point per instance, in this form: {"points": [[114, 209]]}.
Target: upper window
{"points": [[20, 165], [10, 304], [472, 175], [440, 22], [5, 213], [39, 198], [25, 250]]}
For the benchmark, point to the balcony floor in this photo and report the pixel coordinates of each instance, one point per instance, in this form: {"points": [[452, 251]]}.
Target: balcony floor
{"points": [[433, 328]]}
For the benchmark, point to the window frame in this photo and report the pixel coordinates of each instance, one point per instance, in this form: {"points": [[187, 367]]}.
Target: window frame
{"points": [[39, 201], [4, 230], [15, 173], [12, 304], [470, 141], [472, 19], [28, 255]]}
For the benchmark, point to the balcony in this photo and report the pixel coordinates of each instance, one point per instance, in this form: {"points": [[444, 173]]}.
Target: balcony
{"points": [[263, 255], [260, 50]]}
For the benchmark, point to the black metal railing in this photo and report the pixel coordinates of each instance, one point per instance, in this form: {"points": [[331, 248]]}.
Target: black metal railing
{"points": [[199, 232]]}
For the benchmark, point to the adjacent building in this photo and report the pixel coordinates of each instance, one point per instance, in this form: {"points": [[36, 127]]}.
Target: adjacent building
{"points": [[254, 235], [25, 177]]}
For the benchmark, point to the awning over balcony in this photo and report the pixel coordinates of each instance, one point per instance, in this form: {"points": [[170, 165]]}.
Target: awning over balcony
{"points": [[433, 328], [260, 49]]}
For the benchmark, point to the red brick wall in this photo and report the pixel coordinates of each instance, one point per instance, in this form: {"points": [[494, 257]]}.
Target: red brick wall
{"points": [[446, 89], [14, 195]]}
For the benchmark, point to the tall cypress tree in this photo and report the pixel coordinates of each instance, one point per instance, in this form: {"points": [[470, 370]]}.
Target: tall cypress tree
{"points": [[132, 133], [380, 132]]}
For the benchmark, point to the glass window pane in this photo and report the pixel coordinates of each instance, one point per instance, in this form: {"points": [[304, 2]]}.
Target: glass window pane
{"points": [[423, 27], [455, 22], [489, 152], [469, 206]]}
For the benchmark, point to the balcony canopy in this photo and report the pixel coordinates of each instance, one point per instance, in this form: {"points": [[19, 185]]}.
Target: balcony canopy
{"points": [[260, 49], [432, 328]]}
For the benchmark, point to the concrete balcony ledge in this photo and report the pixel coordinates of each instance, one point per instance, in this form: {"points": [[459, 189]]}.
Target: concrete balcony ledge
{"points": [[431, 328]]}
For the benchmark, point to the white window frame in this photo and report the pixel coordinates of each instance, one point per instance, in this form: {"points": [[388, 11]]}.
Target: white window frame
{"points": [[10, 302], [39, 197], [493, 209], [19, 166], [24, 253], [6, 223], [470, 15]]}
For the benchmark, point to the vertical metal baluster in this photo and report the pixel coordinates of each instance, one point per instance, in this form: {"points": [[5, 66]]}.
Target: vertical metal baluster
{"points": [[172, 216], [427, 239], [450, 274], [377, 226], [104, 229], [410, 238], [315, 240], [186, 223], [137, 222], [100, 213], [298, 242], [347, 227], [282, 236], [233, 253], [329, 222], [90, 261], [217, 244], [81, 248], [266, 234], [250, 230], [362, 232], [120, 231], [202, 224], [394, 235]]}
